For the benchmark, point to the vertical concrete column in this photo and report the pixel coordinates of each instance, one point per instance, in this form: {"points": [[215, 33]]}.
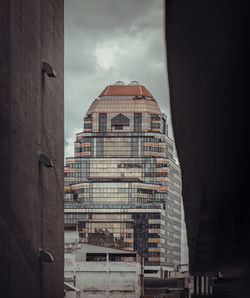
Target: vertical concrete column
{"points": [[205, 285], [199, 285], [195, 285], [209, 289], [107, 279], [202, 284]]}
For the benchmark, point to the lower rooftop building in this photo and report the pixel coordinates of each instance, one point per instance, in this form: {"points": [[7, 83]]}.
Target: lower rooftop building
{"points": [[99, 271], [123, 186]]}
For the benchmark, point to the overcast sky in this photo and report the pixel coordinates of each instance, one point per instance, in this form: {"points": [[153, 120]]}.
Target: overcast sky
{"points": [[107, 41]]}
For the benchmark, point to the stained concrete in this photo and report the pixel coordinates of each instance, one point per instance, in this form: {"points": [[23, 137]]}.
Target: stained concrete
{"points": [[31, 121]]}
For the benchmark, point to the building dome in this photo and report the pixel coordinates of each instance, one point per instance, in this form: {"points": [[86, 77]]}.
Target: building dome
{"points": [[120, 89], [133, 97]]}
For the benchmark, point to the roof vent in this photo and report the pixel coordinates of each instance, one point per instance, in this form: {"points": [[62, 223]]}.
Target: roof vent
{"points": [[134, 82], [119, 83]]}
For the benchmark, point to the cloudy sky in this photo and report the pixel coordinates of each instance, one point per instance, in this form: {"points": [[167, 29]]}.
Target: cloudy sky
{"points": [[107, 41]]}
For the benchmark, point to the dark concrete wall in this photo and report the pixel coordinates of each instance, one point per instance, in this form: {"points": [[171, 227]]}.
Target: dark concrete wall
{"points": [[208, 65], [31, 122]]}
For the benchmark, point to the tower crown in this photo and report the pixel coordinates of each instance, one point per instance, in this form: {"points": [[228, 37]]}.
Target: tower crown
{"points": [[130, 98], [120, 89]]}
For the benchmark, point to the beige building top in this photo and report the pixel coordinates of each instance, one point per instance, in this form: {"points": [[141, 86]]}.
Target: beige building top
{"points": [[113, 100]]}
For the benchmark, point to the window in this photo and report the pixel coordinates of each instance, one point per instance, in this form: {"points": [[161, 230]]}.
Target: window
{"points": [[155, 117], [87, 125], [95, 257], [164, 126], [118, 127], [89, 117], [102, 122], [120, 119], [137, 122], [155, 125], [145, 191]]}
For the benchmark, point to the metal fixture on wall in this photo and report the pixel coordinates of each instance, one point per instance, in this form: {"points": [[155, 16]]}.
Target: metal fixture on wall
{"points": [[48, 69], [44, 160], [45, 256]]}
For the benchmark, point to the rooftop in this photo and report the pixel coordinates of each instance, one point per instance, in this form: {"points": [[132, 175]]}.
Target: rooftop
{"points": [[119, 97], [120, 89]]}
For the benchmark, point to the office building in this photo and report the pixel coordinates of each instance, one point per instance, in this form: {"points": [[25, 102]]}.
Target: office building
{"points": [[123, 186]]}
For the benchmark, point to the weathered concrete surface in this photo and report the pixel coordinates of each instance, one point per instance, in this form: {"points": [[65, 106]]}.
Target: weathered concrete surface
{"points": [[99, 278], [108, 279], [31, 120]]}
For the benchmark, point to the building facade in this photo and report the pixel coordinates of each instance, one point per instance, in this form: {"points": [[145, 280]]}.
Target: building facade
{"points": [[32, 124], [123, 186]]}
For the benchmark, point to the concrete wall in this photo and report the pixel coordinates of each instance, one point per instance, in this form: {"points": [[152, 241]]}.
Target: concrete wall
{"points": [[73, 294], [99, 279], [31, 121], [108, 279], [208, 49], [69, 267]]}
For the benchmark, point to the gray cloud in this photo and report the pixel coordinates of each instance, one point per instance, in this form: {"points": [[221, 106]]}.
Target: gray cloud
{"points": [[106, 41]]}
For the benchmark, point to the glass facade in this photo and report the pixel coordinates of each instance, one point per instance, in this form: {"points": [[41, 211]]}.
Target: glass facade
{"points": [[123, 187]]}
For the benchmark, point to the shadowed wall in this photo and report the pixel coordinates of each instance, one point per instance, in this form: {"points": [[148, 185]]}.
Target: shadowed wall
{"points": [[31, 121], [208, 67]]}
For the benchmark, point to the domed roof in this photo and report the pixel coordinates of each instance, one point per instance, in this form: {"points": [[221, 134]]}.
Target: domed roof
{"points": [[132, 89], [138, 100]]}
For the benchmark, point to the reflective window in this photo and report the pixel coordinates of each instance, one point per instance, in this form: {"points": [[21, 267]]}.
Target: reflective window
{"points": [[102, 122]]}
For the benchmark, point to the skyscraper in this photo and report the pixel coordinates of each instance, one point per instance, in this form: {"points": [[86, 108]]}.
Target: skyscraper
{"points": [[123, 186]]}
